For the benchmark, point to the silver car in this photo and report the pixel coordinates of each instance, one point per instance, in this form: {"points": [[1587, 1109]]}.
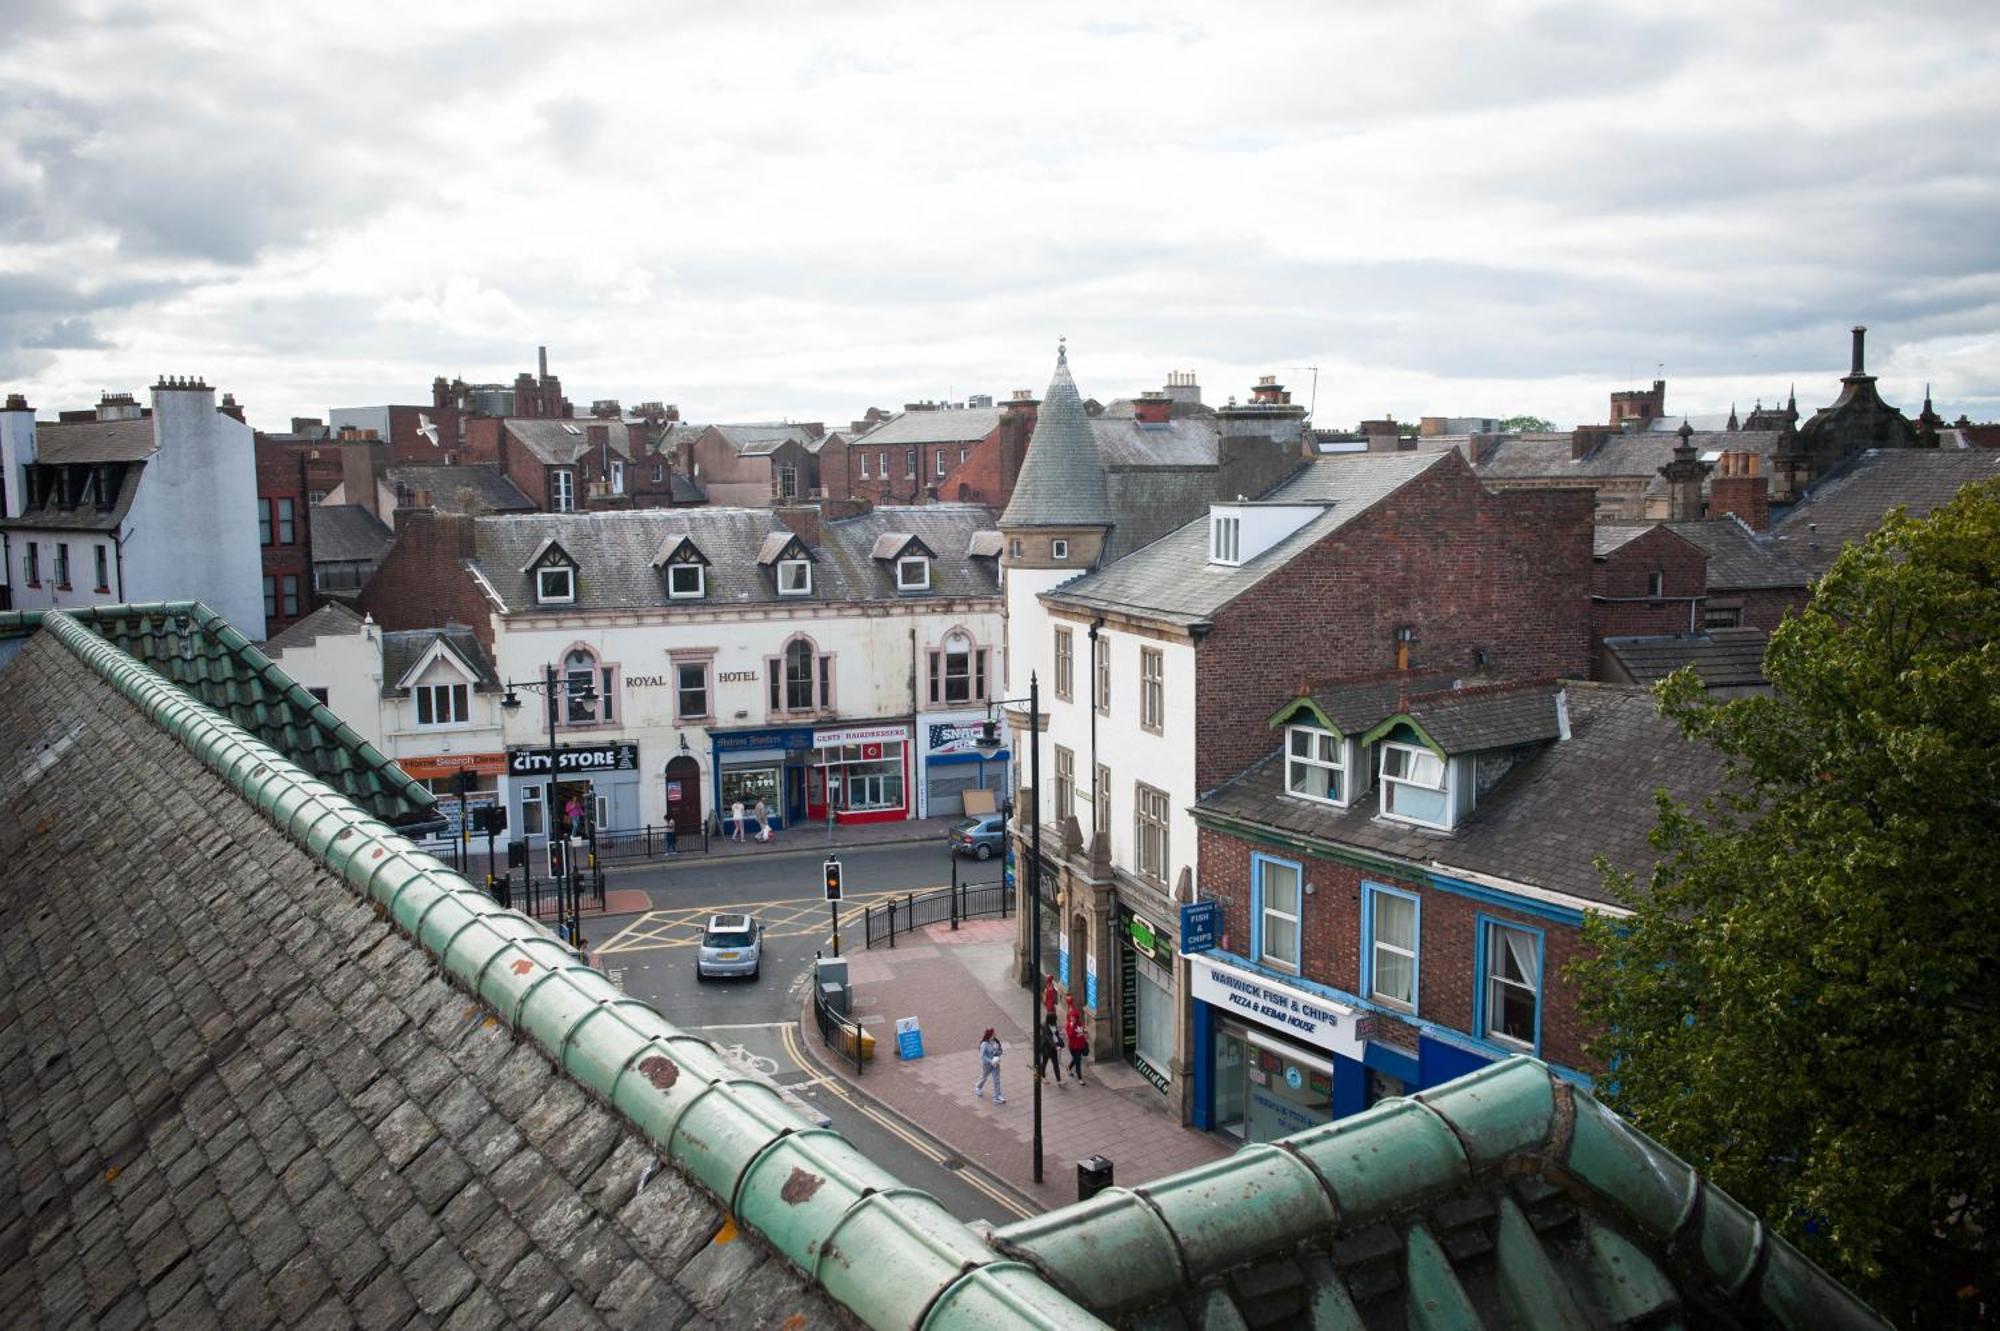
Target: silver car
{"points": [[731, 945]]}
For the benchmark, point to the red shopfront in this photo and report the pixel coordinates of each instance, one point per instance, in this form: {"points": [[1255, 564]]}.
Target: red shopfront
{"points": [[861, 774]]}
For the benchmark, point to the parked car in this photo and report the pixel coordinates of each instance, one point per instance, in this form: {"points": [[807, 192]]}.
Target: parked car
{"points": [[981, 837], [731, 945]]}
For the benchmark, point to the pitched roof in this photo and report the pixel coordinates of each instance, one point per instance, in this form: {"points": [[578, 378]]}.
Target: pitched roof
{"points": [[1739, 559], [1851, 503], [1480, 719], [474, 488], [348, 533], [1062, 479], [52, 516], [1638, 454], [561, 442], [1504, 1198], [1172, 578], [962, 425], [194, 648], [1188, 441], [615, 552], [1724, 658], [1543, 822], [329, 621], [95, 441], [756, 440], [403, 649]]}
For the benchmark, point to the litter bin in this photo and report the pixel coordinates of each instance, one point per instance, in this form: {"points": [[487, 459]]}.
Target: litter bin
{"points": [[1092, 1177]]}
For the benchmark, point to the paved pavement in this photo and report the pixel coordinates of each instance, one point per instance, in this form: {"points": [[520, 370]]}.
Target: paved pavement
{"points": [[957, 984]]}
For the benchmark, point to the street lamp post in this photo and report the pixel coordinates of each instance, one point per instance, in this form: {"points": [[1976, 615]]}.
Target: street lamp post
{"points": [[989, 738], [569, 891]]}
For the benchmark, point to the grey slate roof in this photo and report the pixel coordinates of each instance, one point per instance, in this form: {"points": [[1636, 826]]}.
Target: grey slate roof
{"points": [[348, 532], [1738, 559], [549, 441], [51, 516], [1640, 454], [235, 1096], [614, 554], [1851, 503], [1149, 502], [1171, 579], [1189, 441], [1543, 822], [329, 621], [1480, 719], [1062, 480], [95, 441], [404, 648], [472, 488], [756, 440], [962, 426], [1724, 658]]}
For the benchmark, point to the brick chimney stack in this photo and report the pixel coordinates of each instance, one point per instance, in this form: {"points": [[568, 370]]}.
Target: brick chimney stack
{"points": [[1153, 408], [803, 520], [1740, 487]]}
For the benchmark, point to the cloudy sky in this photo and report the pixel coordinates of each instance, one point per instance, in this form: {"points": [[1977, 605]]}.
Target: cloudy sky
{"points": [[765, 210]]}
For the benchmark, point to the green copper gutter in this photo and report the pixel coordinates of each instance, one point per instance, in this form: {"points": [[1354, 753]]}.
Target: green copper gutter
{"points": [[890, 1254]]}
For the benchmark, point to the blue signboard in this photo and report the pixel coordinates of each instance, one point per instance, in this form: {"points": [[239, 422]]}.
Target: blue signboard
{"points": [[741, 741], [909, 1038], [1201, 927]]}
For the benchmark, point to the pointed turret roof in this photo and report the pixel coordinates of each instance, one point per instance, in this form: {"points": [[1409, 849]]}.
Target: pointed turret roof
{"points": [[1062, 481]]}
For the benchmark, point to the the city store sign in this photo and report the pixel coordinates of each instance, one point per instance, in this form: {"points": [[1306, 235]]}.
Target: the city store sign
{"points": [[579, 761], [1301, 1015]]}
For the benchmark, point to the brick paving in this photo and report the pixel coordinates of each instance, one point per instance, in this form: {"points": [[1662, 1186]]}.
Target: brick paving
{"points": [[958, 984]]}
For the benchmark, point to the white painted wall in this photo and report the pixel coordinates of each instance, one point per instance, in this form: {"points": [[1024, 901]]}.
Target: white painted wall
{"points": [[349, 667], [191, 533], [82, 589]]}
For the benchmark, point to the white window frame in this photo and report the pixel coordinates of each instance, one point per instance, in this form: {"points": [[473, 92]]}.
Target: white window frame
{"points": [[864, 465], [1059, 549], [682, 594], [1065, 671], [940, 463], [909, 464], [1153, 690], [1226, 539], [1491, 933], [1372, 895], [1065, 788], [1390, 784], [1260, 868], [617, 476], [795, 577], [562, 490], [681, 691], [544, 596], [457, 705], [921, 582], [1152, 816], [1316, 760]]}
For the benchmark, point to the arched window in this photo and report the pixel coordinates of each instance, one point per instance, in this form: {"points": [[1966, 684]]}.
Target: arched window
{"points": [[958, 670], [799, 676], [580, 684], [801, 680]]}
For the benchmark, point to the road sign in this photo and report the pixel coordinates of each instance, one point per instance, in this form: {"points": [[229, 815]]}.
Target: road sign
{"points": [[833, 880], [1201, 927]]}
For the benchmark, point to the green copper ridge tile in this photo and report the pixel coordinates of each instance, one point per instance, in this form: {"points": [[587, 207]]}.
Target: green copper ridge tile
{"points": [[1434, 1300], [1239, 1208], [1376, 1162], [1530, 1286], [1498, 1110]]}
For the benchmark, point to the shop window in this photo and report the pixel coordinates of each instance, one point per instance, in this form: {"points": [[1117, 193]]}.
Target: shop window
{"points": [[1511, 984], [747, 785], [1389, 930], [958, 671], [1275, 911], [869, 783]]}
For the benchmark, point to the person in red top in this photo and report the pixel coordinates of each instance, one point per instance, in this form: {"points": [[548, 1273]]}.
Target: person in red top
{"points": [[1078, 1042], [1049, 997]]}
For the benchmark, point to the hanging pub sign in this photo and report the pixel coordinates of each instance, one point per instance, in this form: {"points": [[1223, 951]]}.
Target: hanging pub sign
{"points": [[580, 760]]}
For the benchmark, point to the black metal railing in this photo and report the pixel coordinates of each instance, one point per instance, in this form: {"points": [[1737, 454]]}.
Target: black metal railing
{"points": [[543, 898], [623, 846], [915, 910], [838, 1033]]}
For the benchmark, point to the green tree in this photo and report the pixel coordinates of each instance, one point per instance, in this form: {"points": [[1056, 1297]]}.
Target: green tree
{"points": [[1805, 1002], [1527, 423]]}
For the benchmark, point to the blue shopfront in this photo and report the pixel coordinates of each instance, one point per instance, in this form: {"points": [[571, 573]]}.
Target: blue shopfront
{"points": [[767, 764], [1274, 1055]]}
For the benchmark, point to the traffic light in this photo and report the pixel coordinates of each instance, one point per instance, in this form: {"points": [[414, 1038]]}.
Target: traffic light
{"points": [[833, 880]]}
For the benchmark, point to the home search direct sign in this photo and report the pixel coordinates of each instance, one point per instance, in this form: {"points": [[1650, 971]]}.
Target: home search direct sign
{"points": [[1303, 1016]]}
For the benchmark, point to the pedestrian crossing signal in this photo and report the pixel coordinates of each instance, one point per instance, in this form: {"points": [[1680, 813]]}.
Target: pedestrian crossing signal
{"points": [[833, 880]]}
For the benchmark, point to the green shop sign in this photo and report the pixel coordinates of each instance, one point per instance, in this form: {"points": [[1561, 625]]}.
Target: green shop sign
{"points": [[1142, 936]]}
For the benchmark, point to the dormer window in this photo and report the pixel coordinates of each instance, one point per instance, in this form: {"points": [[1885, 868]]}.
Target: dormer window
{"points": [[913, 574], [1413, 786], [1226, 539], [1315, 764], [795, 577], [686, 582], [555, 585]]}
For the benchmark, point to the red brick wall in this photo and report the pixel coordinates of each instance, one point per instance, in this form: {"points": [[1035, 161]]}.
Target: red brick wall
{"points": [[408, 445], [1748, 497], [422, 581], [1468, 570], [834, 482], [527, 471], [1329, 950], [282, 474], [1766, 609], [1626, 573]]}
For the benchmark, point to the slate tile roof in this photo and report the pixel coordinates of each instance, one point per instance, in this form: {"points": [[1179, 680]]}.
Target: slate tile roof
{"points": [[1845, 507], [1172, 578], [331, 620], [757, 440], [1641, 453], [95, 441], [1062, 479], [1189, 441], [233, 1095], [474, 488], [348, 533], [1481, 718], [1724, 658], [1541, 824], [561, 442], [1739, 559], [50, 516], [1502, 1199], [614, 554], [404, 648], [965, 425]]}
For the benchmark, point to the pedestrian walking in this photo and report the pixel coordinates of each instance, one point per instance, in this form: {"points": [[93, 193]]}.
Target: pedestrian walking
{"points": [[1078, 1040], [673, 835], [763, 822], [989, 1066], [736, 820], [1049, 996], [1048, 1049]]}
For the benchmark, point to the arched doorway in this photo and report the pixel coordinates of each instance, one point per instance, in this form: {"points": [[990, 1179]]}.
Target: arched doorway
{"points": [[684, 805]]}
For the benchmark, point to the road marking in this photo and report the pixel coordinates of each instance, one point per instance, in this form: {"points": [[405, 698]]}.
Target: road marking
{"points": [[789, 917], [968, 1171]]}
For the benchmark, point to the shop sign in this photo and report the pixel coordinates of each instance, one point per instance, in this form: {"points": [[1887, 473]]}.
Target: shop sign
{"points": [[1201, 927], [763, 739], [1298, 1014], [450, 764], [1142, 936], [944, 739], [858, 735], [579, 761]]}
